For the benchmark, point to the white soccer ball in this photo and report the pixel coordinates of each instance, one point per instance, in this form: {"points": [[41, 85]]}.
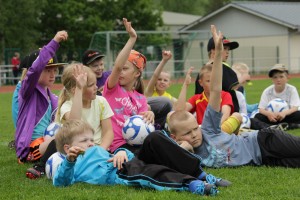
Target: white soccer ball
{"points": [[246, 121], [277, 105], [52, 164], [51, 129], [135, 130], [252, 115]]}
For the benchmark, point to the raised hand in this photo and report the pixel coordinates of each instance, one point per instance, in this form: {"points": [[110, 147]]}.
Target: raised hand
{"points": [[61, 36], [188, 78], [129, 28], [218, 37], [80, 75], [166, 55]]}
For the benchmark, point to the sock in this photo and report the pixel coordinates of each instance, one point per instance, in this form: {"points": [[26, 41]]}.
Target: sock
{"points": [[51, 149], [230, 125], [202, 176]]}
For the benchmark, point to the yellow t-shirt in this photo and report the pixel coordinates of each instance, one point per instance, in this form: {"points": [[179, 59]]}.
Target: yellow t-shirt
{"points": [[98, 111], [165, 94]]}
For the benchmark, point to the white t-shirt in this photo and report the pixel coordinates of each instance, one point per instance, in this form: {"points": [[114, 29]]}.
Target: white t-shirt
{"points": [[289, 94], [98, 111], [242, 102]]}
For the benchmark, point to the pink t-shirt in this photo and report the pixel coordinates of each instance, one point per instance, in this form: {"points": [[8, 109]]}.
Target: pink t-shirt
{"points": [[124, 104]]}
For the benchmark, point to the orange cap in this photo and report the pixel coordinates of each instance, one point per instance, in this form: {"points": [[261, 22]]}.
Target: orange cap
{"points": [[137, 59]]}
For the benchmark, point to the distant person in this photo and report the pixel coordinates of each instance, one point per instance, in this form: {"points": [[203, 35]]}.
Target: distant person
{"points": [[94, 59], [280, 89], [229, 76], [15, 61]]}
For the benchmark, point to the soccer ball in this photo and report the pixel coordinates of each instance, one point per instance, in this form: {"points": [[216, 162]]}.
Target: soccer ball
{"points": [[252, 115], [135, 130], [52, 164], [246, 123], [277, 105], [51, 129]]}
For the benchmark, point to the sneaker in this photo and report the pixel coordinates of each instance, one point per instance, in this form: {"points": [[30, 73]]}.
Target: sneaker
{"points": [[12, 145], [199, 187], [282, 126], [35, 172], [210, 179]]}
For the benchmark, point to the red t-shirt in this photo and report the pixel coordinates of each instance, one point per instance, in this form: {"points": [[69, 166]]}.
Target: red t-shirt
{"points": [[15, 62], [200, 102]]}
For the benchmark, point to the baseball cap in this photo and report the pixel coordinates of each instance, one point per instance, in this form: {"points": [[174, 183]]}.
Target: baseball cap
{"points": [[226, 42], [90, 55], [278, 68], [137, 59], [29, 59]]}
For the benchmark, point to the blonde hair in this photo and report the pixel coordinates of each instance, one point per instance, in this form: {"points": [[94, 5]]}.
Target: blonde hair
{"points": [[68, 131], [241, 68], [204, 69], [139, 84], [69, 82], [177, 117]]}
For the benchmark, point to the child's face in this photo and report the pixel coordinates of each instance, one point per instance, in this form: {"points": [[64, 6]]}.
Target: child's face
{"points": [[128, 74], [98, 67], [279, 79], [188, 130], [90, 91], [205, 82], [163, 81], [84, 140], [225, 53], [47, 77]]}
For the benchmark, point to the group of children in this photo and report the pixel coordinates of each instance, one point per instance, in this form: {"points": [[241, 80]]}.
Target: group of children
{"points": [[92, 123]]}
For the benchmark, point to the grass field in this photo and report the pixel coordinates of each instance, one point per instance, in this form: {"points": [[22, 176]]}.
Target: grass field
{"points": [[248, 182]]}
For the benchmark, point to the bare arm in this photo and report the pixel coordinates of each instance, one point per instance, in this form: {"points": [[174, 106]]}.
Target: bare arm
{"points": [[107, 133], [181, 103], [166, 55], [216, 75], [81, 82], [123, 55]]}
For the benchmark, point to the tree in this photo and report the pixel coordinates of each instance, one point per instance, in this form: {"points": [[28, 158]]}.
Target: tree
{"points": [[18, 24], [82, 18]]}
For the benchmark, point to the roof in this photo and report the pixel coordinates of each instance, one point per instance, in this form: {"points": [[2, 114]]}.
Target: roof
{"points": [[173, 18], [283, 13]]}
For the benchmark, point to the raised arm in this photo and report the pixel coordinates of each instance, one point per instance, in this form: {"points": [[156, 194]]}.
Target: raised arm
{"points": [[123, 55], [81, 82], [166, 56], [216, 75], [181, 103]]}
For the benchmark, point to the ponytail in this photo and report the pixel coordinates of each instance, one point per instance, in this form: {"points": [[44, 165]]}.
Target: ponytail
{"points": [[139, 85], [63, 97]]}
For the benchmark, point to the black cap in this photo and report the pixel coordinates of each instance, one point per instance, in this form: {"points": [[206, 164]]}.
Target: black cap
{"points": [[29, 59], [226, 42], [91, 55]]}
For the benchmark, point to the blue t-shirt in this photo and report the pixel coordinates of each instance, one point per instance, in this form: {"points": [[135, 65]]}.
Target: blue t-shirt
{"points": [[220, 149]]}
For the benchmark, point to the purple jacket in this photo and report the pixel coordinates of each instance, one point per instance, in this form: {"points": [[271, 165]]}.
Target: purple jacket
{"points": [[33, 100]]}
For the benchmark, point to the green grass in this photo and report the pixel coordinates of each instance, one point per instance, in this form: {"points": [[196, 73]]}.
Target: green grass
{"points": [[248, 182]]}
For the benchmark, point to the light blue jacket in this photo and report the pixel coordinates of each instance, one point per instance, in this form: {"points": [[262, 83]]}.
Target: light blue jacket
{"points": [[91, 167]]}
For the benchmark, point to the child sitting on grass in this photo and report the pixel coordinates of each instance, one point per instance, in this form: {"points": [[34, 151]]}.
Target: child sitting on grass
{"points": [[230, 122], [89, 163], [160, 80], [218, 149]]}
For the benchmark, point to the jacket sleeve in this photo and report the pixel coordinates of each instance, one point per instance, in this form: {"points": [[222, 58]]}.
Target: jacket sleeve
{"points": [[34, 71], [64, 175]]}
